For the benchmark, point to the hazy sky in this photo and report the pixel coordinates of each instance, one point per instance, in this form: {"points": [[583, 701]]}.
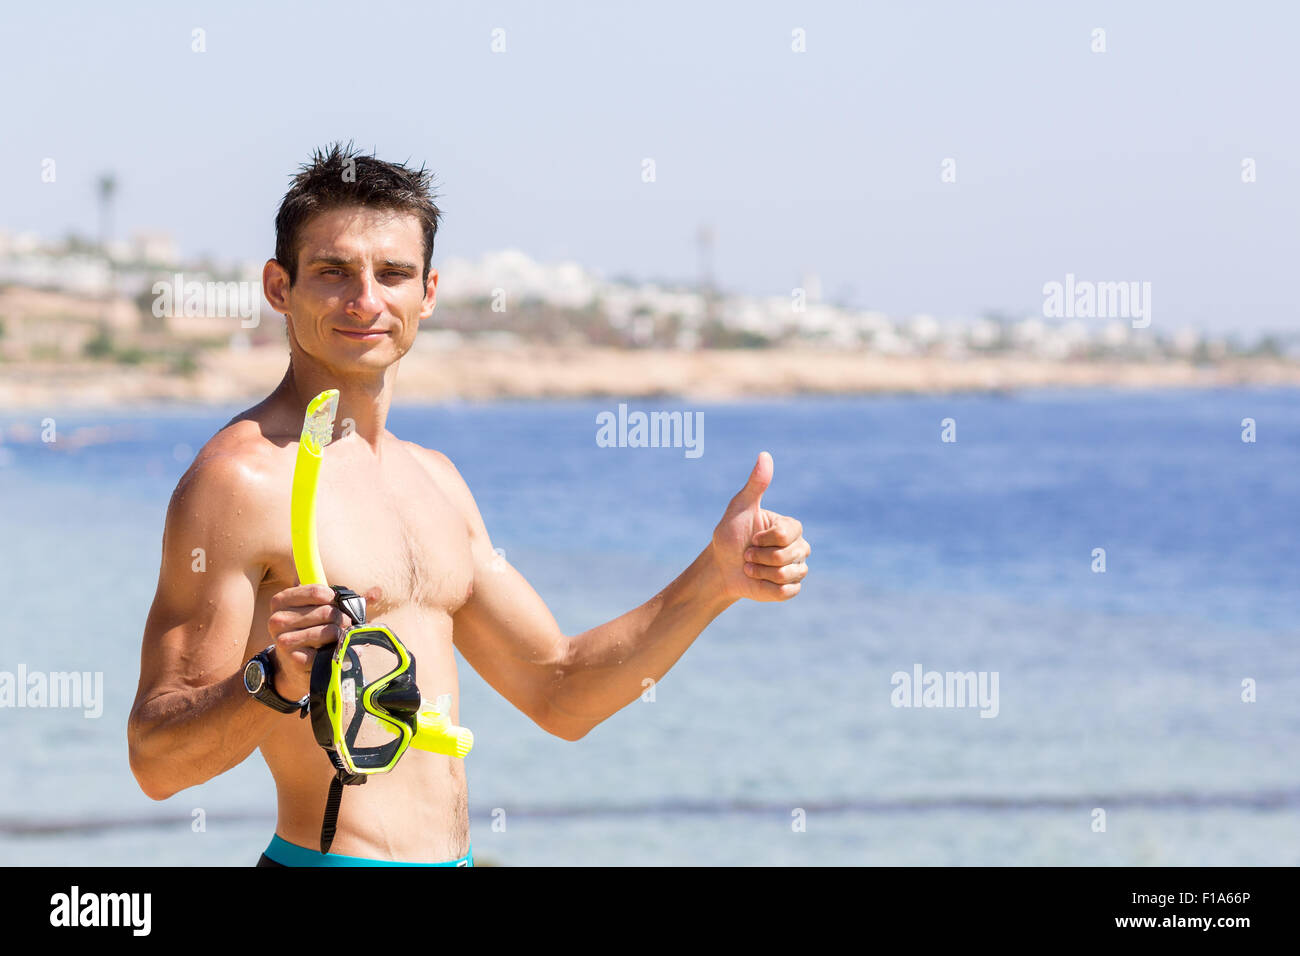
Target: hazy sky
{"points": [[1122, 165]]}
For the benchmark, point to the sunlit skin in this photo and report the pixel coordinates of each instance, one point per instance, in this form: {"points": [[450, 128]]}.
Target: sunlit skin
{"points": [[398, 525], [358, 299]]}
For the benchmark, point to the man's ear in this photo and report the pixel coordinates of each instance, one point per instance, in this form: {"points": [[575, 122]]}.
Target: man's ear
{"points": [[430, 294], [275, 286]]}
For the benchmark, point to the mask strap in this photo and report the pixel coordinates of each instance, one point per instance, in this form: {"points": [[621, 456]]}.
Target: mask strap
{"points": [[341, 779]]}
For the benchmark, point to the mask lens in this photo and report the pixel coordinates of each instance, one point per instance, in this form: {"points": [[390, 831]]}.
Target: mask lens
{"points": [[373, 734], [370, 658]]}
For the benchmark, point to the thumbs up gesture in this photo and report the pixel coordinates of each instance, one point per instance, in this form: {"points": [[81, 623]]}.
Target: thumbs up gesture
{"points": [[760, 554]]}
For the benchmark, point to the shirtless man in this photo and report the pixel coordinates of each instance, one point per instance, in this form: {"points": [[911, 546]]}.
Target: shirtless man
{"points": [[352, 276]]}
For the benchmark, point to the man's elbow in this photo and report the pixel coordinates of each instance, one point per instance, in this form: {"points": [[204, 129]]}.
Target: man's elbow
{"points": [[570, 734], [564, 726], [145, 766], [555, 720], [152, 789], [153, 785]]}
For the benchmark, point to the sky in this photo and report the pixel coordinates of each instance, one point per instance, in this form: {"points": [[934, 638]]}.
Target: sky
{"points": [[1122, 165]]}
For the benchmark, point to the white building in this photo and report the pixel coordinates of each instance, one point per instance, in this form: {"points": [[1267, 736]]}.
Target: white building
{"points": [[516, 275]]}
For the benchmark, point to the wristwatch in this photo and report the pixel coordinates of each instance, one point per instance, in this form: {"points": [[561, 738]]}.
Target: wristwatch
{"points": [[259, 681]]}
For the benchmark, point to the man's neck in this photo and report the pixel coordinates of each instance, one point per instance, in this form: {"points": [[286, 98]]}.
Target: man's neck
{"points": [[364, 399]]}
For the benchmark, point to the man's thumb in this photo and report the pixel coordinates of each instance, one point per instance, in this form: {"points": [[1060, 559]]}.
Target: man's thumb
{"points": [[759, 479]]}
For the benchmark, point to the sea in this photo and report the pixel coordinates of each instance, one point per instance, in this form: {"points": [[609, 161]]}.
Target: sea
{"points": [[1115, 574]]}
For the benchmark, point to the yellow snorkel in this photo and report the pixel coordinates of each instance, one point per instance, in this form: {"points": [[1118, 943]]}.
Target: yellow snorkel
{"points": [[317, 432], [364, 704]]}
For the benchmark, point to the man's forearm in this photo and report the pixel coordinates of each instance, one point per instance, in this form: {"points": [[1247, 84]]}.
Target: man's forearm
{"points": [[183, 738], [606, 667]]}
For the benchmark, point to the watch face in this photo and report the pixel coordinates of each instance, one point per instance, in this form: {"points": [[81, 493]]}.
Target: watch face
{"points": [[254, 676]]}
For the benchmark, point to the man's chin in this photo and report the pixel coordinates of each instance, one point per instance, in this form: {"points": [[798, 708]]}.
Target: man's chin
{"points": [[373, 360], [362, 360]]}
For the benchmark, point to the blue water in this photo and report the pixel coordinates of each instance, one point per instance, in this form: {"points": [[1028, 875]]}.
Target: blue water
{"points": [[1120, 691]]}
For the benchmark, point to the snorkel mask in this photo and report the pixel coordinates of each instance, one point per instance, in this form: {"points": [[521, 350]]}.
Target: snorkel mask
{"points": [[365, 706]]}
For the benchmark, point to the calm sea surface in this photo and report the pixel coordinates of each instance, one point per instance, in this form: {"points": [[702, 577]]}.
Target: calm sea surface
{"points": [[774, 739]]}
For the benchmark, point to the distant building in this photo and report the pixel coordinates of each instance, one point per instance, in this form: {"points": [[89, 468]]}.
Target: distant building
{"points": [[518, 277]]}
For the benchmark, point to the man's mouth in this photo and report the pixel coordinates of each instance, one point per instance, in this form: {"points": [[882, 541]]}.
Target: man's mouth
{"points": [[363, 335]]}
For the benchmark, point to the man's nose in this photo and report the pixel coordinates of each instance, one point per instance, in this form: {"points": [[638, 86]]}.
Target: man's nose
{"points": [[365, 299]]}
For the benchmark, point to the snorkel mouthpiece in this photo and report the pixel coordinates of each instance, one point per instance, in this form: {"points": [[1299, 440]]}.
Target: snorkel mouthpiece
{"points": [[437, 734]]}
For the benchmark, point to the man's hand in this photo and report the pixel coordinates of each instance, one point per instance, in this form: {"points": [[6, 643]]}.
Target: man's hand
{"points": [[759, 553], [303, 618]]}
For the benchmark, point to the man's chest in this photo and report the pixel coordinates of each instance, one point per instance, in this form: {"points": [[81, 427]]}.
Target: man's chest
{"points": [[386, 530]]}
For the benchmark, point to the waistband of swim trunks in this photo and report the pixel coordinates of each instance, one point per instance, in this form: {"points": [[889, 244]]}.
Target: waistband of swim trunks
{"points": [[290, 854]]}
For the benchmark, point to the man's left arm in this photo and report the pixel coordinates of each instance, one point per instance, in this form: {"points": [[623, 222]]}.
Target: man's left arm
{"points": [[569, 685]]}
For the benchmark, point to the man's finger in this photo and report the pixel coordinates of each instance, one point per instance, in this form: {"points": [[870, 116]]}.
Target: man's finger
{"points": [[788, 574], [776, 592], [784, 531], [298, 618], [759, 478], [778, 557], [321, 636], [302, 595]]}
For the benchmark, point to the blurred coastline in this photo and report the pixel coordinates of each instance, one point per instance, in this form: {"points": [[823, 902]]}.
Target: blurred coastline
{"points": [[122, 323], [545, 371]]}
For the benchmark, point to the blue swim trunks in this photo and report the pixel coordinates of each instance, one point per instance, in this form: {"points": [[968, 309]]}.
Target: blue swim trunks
{"points": [[283, 853]]}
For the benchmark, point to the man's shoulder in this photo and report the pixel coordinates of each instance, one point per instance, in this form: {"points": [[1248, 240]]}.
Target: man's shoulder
{"points": [[240, 462], [446, 476], [432, 459]]}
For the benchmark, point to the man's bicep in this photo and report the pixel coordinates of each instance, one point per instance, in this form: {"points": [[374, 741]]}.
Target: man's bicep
{"points": [[508, 635], [198, 626]]}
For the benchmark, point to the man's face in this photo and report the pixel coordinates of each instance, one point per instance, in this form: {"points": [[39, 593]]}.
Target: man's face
{"points": [[360, 292]]}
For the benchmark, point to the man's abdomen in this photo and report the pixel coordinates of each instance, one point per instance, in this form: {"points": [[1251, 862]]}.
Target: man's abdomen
{"points": [[418, 812]]}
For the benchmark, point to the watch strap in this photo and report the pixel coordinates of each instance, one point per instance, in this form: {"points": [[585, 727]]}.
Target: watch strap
{"points": [[267, 693]]}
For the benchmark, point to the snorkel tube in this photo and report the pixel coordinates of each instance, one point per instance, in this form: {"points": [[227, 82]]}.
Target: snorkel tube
{"points": [[432, 728], [317, 432], [347, 704]]}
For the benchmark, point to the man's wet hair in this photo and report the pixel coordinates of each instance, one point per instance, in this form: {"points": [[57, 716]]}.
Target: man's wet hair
{"points": [[339, 176]]}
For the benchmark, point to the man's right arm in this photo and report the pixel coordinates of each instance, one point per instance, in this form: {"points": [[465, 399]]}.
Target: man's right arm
{"points": [[193, 718]]}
